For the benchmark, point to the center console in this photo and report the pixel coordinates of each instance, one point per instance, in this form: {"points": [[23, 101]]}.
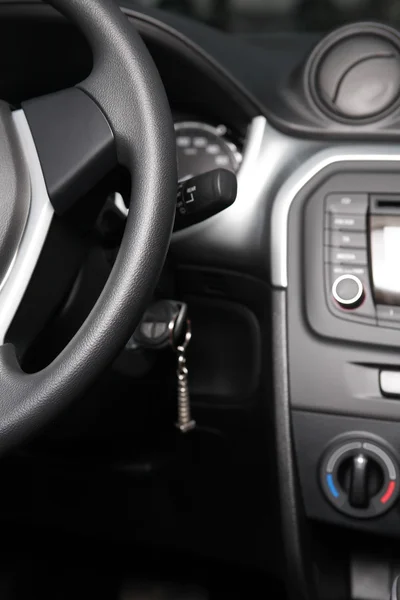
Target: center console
{"points": [[344, 343], [335, 270]]}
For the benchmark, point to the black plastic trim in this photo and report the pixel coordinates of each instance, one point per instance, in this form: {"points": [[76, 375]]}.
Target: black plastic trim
{"points": [[74, 142], [297, 568], [156, 30]]}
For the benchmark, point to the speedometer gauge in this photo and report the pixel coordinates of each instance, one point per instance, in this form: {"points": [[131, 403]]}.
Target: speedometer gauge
{"points": [[202, 148]]}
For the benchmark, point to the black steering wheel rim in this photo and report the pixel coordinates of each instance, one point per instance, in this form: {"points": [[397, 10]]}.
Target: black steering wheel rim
{"points": [[126, 86]]}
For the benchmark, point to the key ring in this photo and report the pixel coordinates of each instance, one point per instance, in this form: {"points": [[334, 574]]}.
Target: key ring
{"points": [[188, 336]]}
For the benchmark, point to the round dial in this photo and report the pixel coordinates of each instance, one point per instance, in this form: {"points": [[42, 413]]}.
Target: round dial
{"points": [[202, 148], [348, 291], [359, 477]]}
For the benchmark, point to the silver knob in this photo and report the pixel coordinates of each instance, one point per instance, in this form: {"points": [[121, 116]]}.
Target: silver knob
{"points": [[348, 291]]}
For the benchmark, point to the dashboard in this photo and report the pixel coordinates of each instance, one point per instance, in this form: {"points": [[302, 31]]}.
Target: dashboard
{"points": [[293, 294], [316, 218]]}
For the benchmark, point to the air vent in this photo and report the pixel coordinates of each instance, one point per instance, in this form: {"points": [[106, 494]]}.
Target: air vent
{"points": [[355, 72]]}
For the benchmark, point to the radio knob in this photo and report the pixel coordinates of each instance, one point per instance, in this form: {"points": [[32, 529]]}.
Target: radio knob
{"points": [[348, 291]]}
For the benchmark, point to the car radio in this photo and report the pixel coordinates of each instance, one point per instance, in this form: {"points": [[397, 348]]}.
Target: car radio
{"points": [[362, 257]]}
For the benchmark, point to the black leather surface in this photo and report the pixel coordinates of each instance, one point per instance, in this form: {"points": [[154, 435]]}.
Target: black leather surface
{"points": [[126, 85]]}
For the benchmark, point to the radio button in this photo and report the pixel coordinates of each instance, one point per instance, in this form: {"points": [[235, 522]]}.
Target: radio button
{"points": [[348, 291], [389, 314], [390, 382], [346, 222], [345, 239], [346, 256], [356, 204], [339, 270]]}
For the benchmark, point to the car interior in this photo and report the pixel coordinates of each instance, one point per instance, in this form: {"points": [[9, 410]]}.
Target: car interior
{"points": [[200, 299]]}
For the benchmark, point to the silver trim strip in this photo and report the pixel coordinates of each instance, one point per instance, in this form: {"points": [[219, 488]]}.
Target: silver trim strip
{"points": [[386, 459], [339, 452], [296, 182], [393, 594], [120, 205], [35, 233]]}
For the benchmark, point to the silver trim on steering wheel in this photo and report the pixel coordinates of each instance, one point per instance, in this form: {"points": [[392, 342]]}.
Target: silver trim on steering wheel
{"points": [[15, 283]]}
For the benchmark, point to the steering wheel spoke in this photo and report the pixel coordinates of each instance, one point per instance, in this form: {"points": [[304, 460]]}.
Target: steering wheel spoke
{"points": [[74, 142]]}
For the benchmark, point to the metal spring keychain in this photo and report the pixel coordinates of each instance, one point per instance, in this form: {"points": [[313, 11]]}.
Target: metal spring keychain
{"points": [[185, 422]]}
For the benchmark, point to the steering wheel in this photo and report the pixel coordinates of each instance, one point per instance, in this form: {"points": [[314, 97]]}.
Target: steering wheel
{"points": [[53, 150]]}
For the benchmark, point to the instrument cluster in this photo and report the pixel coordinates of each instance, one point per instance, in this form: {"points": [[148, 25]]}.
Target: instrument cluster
{"points": [[202, 147]]}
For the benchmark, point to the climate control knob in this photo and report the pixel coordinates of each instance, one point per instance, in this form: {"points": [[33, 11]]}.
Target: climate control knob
{"points": [[348, 291], [360, 477]]}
